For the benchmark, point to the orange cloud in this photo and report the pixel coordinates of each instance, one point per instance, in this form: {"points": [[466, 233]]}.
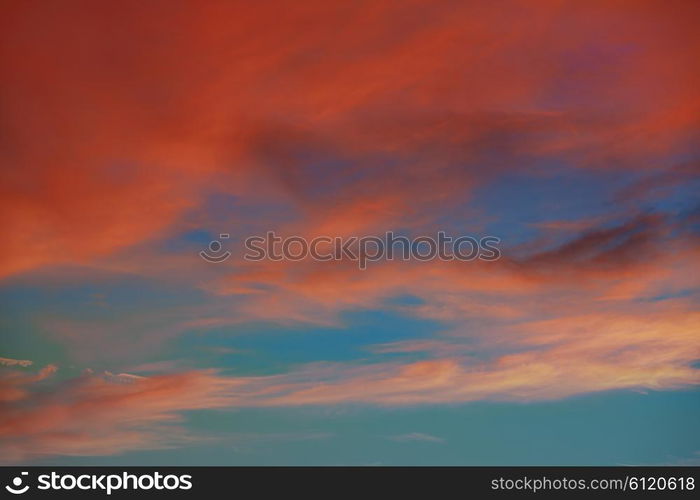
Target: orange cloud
{"points": [[103, 415]]}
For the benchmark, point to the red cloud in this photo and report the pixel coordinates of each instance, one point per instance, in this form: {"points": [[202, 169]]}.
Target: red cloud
{"points": [[118, 120]]}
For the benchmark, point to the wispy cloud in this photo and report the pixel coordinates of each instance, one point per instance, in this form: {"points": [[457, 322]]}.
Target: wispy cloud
{"points": [[416, 437], [15, 362]]}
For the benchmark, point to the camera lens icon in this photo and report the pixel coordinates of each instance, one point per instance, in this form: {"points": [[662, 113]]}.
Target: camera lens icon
{"points": [[16, 487], [214, 251]]}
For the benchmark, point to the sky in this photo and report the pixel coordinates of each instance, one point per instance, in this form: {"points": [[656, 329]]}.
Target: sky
{"points": [[133, 134]]}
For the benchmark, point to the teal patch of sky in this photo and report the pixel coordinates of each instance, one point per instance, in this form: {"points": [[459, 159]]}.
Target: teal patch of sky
{"points": [[112, 300], [268, 348], [116, 291], [611, 428], [22, 338]]}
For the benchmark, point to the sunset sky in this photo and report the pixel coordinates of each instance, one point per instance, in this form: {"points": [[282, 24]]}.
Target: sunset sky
{"points": [[133, 133]]}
